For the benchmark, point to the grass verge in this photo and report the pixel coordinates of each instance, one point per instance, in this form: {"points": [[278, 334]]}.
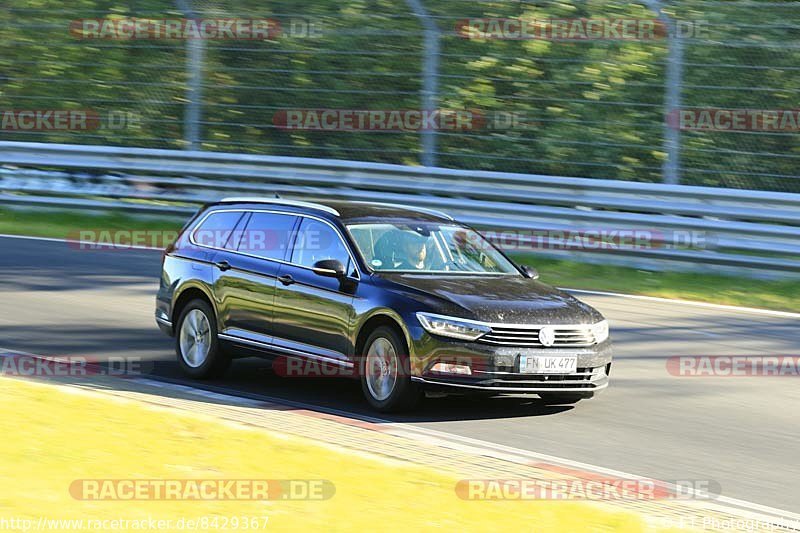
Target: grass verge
{"points": [[783, 295], [67, 224], [58, 435], [780, 295]]}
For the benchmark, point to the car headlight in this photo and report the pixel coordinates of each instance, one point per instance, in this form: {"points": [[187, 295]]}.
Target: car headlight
{"points": [[457, 328], [600, 331]]}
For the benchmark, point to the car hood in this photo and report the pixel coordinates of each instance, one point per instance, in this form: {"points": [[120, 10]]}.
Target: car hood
{"points": [[500, 299]]}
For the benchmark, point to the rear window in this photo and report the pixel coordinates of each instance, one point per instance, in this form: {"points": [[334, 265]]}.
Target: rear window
{"points": [[216, 229]]}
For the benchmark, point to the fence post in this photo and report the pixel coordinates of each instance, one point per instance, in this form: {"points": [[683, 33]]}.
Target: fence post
{"points": [[430, 78], [673, 84], [195, 59]]}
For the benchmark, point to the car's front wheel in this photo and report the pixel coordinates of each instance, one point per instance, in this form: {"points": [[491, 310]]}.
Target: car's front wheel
{"points": [[196, 345], [386, 374]]}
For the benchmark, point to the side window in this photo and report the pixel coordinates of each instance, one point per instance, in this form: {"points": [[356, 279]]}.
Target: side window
{"points": [[267, 235], [216, 230], [317, 241]]}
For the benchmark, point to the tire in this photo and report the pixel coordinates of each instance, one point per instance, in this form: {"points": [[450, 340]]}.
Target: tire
{"points": [[563, 398], [383, 393], [208, 360]]}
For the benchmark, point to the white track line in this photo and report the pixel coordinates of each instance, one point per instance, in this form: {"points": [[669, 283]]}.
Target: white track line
{"points": [[509, 453], [732, 308], [93, 244]]}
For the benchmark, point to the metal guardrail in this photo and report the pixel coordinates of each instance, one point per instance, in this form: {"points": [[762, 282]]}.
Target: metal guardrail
{"points": [[692, 226]]}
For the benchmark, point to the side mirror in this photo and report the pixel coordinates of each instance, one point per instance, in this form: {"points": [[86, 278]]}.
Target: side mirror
{"points": [[329, 268], [529, 272]]}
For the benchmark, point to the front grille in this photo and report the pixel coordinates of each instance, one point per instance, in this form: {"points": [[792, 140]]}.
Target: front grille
{"points": [[565, 336]]}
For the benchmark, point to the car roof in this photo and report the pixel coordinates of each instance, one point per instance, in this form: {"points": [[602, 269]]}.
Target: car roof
{"points": [[348, 211]]}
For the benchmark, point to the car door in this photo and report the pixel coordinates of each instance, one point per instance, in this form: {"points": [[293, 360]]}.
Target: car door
{"points": [[313, 314], [246, 276]]}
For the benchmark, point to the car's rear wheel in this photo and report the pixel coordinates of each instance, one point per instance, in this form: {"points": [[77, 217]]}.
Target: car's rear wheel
{"points": [[196, 344], [562, 398], [386, 374]]}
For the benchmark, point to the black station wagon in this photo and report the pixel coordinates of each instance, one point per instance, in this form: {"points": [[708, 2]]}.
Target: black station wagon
{"points": [[404, 300]]}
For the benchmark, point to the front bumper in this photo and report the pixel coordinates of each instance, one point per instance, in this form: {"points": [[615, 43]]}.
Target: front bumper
{"points": [[496, 369], [510, 383], [162, 319]]}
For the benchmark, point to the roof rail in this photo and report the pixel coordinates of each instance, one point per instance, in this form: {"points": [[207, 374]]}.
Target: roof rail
{"points": [[278, 201], [434, 212]]}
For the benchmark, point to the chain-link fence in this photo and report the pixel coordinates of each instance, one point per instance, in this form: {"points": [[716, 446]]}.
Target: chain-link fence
{"points": [[693, 92]]}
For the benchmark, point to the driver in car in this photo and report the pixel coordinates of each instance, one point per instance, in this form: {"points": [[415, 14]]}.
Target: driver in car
{"points": [[412, 252]]}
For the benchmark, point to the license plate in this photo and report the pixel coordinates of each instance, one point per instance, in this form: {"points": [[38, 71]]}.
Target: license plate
{"points": [[544, 364]]}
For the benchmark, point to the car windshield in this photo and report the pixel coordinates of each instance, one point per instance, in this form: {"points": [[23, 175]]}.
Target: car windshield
{"points": [[410, 246]]}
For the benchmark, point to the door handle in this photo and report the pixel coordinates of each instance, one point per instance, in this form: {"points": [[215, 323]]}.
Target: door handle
{"points": [[286, 279], [223, 265]]}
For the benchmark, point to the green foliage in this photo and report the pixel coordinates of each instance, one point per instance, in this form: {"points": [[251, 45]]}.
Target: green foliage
{"points": [[593, 108]]}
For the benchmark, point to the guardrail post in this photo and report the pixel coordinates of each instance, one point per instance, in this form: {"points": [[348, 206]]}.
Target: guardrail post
{"points": [[195, 59], [430, 78]]}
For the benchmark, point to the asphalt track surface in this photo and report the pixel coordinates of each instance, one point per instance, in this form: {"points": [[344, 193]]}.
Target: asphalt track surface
{"points": [[741, 432]]}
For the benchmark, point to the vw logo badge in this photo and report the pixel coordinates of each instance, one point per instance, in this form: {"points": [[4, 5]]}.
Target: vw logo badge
{"points": [[547, 336]]}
